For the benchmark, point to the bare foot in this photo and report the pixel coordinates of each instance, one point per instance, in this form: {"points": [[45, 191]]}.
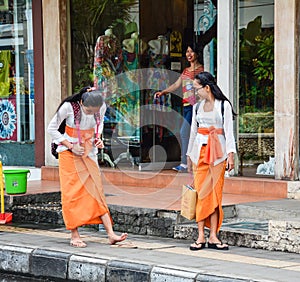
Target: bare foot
{"points": [[77, 243], [115, 238]]}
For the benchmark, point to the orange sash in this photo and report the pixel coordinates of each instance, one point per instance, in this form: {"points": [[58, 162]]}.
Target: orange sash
{"points": [[213, 148], [86, 136]]}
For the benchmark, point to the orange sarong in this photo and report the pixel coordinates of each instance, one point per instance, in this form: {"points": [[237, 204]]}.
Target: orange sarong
{"points": [[83, 199], [208, 181]]}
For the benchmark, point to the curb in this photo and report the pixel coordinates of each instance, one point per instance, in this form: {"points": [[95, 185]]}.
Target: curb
{"points": [[42, 263]]}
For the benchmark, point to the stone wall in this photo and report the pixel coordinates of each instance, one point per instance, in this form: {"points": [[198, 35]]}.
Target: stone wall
{"points": [[253, 144]]}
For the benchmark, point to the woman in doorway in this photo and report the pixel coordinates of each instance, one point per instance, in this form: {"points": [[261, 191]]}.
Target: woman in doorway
{"points": [[211, 148], [80, 179], [188, 100]]}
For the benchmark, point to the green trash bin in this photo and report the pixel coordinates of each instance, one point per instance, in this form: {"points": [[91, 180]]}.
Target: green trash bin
{"points": [[15, 181]]}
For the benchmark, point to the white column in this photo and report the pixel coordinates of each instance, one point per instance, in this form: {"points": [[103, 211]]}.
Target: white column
{"points": [[52, 67], [286, 108], [225, 47]]}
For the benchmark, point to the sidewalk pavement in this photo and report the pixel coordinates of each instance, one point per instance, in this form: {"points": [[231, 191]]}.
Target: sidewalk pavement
{"points": [[43, 251], [46, 252]]}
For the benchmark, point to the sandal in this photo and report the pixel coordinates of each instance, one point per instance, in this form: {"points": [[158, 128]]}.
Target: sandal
{"points": [[218, 246], [197, 246], [77, 243]]}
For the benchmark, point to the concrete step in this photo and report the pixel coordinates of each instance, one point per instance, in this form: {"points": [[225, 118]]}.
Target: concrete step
{"points": [[268, 235], [284, 209], [270, 225], [237, 232]]}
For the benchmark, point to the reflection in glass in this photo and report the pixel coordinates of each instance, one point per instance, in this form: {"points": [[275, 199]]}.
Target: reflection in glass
{"points": [[256, 84]]}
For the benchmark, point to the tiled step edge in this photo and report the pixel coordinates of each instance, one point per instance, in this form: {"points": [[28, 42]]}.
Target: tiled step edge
{"points": [[162, 179]]}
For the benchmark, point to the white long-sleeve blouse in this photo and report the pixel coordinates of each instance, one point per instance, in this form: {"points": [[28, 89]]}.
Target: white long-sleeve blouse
{"points": [[86, 122], [207, 119]]}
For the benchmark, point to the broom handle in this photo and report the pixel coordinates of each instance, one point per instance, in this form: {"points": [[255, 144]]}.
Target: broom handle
{"points": [[1, 188]]}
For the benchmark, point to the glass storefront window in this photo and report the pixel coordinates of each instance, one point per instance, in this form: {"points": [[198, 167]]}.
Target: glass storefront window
{"points": [[256, 87], [107, 55], [126, 54], [130, 55], [16, 77]]}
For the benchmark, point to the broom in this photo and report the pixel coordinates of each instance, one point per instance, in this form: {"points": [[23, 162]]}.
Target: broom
{"points": [[4, 217]]}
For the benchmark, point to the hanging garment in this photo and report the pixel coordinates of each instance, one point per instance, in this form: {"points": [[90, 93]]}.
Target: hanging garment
{"points": [[107, 63], [5, 62]]}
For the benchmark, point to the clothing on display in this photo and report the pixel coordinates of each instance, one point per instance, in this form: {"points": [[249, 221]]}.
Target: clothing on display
{"points": [[107, 63], [5, 63]]}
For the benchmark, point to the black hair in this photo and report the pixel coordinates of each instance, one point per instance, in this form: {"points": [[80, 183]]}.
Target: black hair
{"points": [[205, 78], [88, 97], [196, 48]]}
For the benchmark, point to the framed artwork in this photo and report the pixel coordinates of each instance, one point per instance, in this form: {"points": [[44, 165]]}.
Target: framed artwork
{"points": [[4, 5]]}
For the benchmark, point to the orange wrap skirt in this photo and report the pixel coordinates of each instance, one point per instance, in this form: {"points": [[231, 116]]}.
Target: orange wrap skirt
{"points": [[82, 195], [208, 181]]}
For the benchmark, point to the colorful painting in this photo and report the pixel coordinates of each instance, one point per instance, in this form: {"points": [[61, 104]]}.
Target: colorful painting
{"points": [[8, 120]]}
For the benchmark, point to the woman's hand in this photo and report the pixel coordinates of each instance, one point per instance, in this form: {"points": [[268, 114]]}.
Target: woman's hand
{"points": [[158, 94], [230, 162], [189, 164], [98, 143], [77, 149]]}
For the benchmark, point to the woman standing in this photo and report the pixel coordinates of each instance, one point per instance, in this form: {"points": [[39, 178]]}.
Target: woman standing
{"points": [[188, 99], [83, 200], [211, 148]]}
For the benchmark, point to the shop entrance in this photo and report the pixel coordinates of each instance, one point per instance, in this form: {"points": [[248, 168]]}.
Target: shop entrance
{"points": [[138, 48]]}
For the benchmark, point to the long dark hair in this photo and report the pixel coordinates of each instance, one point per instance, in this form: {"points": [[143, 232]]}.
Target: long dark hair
{"points": [[205, 78], [89, 98]]}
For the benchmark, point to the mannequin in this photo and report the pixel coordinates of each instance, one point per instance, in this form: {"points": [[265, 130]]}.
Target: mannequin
{"points": [[158, 79], [107, 62], [130, 79]]}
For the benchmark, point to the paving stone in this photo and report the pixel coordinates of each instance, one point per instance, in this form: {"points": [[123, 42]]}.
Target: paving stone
{"points": [[83, 268], [162, 274], [46, 263], [15, 259], [127, 272]]}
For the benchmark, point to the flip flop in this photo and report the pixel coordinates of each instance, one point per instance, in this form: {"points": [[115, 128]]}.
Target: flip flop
{"points": [[199, 246], [77, 243], [218, 246]]}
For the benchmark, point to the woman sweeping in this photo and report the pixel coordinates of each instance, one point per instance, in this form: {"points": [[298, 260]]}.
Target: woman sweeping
{"points": [[83, 200], [211, 148]]}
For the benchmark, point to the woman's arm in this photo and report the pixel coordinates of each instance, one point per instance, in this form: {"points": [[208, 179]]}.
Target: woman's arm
{"points": [[64, 111], [193, 133], [229, 136], [228, 128], [102, 114], [170, 89], [98, 140]]}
